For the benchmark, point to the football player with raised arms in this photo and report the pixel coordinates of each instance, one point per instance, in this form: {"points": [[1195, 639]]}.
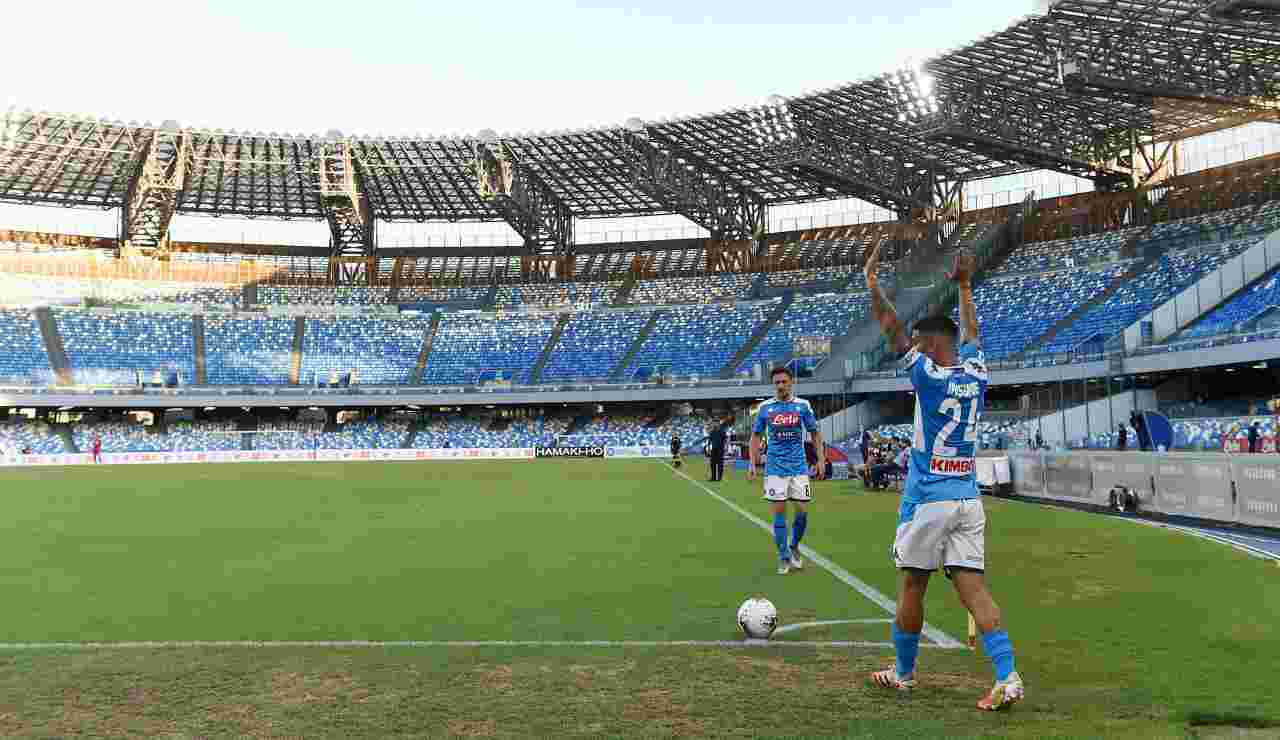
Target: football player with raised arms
{"points": [[941, 522], [785, 419]]}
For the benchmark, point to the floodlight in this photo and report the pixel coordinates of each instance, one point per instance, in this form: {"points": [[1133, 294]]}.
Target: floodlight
{"points": [[773, 123], [912, 91]]}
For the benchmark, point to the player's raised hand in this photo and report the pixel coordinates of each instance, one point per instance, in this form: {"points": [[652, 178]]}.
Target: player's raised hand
{"points": [[964, 268]]}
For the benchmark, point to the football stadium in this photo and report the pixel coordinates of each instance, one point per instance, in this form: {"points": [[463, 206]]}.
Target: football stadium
{"points": [[520, 434]]}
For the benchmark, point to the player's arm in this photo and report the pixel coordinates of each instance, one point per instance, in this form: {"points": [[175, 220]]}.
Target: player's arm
{"points": [[882, 309], [963, 275], [819, 446]]}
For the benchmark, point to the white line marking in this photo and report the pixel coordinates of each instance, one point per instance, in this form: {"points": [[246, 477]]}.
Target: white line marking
{"points": [[827, 622], [144, 645], [940, 638], [1213, 537]]}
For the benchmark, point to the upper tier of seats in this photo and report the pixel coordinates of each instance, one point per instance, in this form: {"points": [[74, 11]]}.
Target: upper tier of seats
{"points": [[697, 340], [1075, 252], [568, 293], [23, 357], [245, 350], [1166, 278], [1248, 305], [112, 348], [469, 347], [1015, 310], [593, 343], [380, 350]]}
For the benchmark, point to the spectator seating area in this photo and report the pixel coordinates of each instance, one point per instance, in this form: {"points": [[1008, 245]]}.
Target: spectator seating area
{"points": [[249, 351], [42, 290], [442, 293], [1075, 252], [470, 347], [343, 295], [622, 430], [809, 275], [704, 320], [698, 340], [593, 343], [127, 436], [1166, 278], [18, 433], [824, 316], [23, 358], [475, 431], [702, 289], [310, 435], [1241, 310], [379, 350], [111, 348], [568, 293], [1015, 310]]}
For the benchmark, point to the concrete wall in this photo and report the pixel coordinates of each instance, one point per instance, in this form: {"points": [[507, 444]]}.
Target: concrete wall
{"points": [[1095, 417]]}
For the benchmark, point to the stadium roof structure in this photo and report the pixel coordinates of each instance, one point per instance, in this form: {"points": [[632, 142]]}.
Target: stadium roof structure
{"points": [[1088, 88]]}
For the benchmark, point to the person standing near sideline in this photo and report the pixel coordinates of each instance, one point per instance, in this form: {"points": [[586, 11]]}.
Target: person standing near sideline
{"points": [[716, 445]]}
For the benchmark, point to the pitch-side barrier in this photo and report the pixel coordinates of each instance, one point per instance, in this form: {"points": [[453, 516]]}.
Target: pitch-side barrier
{"points": [[1244, 489], [448, 453]]}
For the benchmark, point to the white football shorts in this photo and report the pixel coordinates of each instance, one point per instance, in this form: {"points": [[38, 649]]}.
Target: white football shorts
{"points": [[786, 488], [943, 534]]}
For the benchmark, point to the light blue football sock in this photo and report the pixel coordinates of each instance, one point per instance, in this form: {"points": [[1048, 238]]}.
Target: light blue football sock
{"points": [[780, 534], [906, 645], [998, 647], [797, 528]]}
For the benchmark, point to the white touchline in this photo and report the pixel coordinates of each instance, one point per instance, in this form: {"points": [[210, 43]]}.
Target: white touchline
{"points": [[825, 623], [166, 645], [940, 638]]}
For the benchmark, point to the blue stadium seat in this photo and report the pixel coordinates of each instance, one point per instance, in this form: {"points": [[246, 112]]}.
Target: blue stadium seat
{"points": [[467, 345], [249, 351], [381, 351], [23, 359], [113, 348], [593, 343]]}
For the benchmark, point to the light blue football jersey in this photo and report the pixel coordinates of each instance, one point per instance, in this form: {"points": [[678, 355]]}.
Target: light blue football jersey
{"points": [[949, 404], [786, 422]]}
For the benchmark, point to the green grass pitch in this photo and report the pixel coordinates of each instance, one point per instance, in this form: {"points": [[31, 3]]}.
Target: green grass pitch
{"points": [[1120, 630]]}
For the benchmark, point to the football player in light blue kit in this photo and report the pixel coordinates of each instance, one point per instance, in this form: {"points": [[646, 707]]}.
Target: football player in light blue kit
{"points": [[785, 419], [940, 521]]}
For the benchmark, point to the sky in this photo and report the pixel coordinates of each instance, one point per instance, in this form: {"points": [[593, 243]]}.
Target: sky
{"points": [[399, 67]]}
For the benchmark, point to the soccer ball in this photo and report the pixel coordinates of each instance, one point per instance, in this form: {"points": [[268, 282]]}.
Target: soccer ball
{"points": [[757, 618]]}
